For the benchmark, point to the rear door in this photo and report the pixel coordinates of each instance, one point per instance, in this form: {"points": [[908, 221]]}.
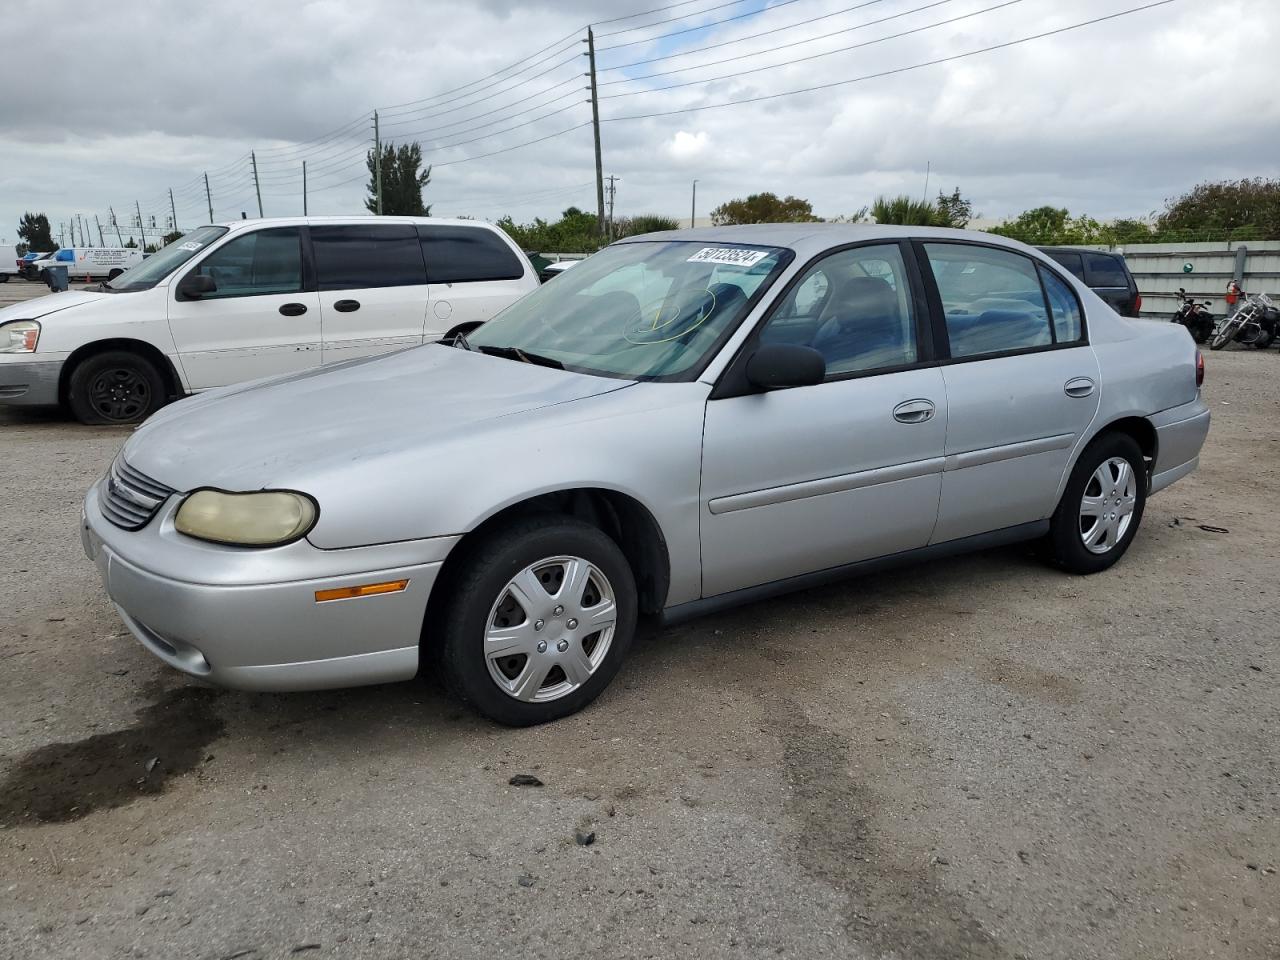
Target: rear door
{"points": [[474, 273], [1021, 384], [373, 288], [263, 319]]}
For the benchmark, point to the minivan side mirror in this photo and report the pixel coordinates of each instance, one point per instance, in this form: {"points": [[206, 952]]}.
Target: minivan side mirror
{"points": [[195, 285], [777, 366]]}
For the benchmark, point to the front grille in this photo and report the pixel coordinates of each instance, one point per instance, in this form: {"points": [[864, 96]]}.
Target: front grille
{"points": [[130, 499]]}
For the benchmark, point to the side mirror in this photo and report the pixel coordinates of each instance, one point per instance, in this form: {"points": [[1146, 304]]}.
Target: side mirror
{"points": [[195, 285], [777, 366]]}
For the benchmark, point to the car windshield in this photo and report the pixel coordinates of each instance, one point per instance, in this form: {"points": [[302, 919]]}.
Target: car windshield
{"points": [[649, 310], [159, 265]]}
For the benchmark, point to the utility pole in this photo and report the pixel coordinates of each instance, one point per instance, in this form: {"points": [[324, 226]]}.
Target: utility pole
{"points": [[595, 123], [173, 211], [693, 205], [304, 188], [612, 189], [253, 157], [208, 197], [927, 167], [116, 223], [101, 241], [142, 227], [377, 165]]}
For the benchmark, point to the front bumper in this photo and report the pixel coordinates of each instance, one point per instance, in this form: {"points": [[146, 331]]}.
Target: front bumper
{"points": [[29, 383], [248, 618]]}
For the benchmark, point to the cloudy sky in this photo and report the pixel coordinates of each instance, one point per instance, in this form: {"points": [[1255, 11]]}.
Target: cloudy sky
{"points": [[122, 103]]}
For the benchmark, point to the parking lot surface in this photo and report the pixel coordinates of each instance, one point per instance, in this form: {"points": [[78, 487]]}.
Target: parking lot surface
{"points": [[980, 757]]}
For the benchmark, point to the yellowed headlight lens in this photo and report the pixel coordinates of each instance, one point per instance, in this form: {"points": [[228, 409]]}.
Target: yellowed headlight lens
{"points": [[246, 519]]}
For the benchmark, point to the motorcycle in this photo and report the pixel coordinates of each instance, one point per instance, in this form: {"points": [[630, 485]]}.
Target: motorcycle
{"points": [[1195, 316], [1255, 324]]}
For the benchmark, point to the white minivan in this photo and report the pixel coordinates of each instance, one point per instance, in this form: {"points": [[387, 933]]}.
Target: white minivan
{"points": [[255, 298], [91, 263]]}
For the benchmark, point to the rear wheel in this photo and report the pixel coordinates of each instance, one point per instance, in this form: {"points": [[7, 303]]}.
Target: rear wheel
{"points": [[115, 387], [1102, 506], [539, 620]]}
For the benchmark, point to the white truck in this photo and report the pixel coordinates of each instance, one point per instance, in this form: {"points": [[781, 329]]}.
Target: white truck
{"points": [[8, 261], [91, 263]]}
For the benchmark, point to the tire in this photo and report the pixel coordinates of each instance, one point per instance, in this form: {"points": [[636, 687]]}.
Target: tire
{"points": [[4, 278], [1224, 334], [115, 387], [482, 601], [1264, 340], [1070, 526]]}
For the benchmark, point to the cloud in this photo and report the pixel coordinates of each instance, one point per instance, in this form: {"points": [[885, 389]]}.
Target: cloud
{"points": [[128, 104]]}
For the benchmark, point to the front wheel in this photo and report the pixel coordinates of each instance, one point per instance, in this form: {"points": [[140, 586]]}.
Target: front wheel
{"points": [[539, 620], [115, 387], [1224, 334], [1102, 506]]}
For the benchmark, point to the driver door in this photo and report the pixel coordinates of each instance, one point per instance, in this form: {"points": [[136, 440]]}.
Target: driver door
{"points": [[801, 480]]}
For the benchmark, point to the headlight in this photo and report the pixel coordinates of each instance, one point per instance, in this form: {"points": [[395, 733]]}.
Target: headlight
{"points": [[246, 519], [19, 336]]}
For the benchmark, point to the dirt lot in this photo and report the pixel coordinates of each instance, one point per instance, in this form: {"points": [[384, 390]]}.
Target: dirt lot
{"points": [[979, 757]]}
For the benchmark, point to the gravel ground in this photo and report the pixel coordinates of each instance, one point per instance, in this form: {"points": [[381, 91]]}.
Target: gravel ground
{"points": [[973, 758]]}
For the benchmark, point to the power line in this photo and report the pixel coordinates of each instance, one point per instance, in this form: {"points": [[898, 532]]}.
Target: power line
{"points": [[704, 26], [894, 71], [645, 13], [528, 109], [814, 56], [757, 53], [683, 16]]}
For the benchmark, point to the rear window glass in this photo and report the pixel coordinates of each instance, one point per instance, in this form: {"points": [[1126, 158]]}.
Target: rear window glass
{"points": [[1064, 306], [359, 256], [462, 254], [1102, 270]]}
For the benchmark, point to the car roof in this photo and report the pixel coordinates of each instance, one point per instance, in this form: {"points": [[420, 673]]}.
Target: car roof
{"points": [[354, 219], [808, 239], [1103, 253]]}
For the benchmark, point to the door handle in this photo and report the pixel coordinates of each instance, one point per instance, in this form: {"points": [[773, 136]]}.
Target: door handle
{"points": [[293, 309], [347, 306], [914, 411], [1079, 387]]}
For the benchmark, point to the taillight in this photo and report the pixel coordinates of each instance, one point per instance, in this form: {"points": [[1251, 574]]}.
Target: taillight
{"points": [[1137, 304], [1199, 369]]}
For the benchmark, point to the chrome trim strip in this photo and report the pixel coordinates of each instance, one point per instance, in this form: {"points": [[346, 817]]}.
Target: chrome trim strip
{"points": [[1007, 451], [825, 485]]}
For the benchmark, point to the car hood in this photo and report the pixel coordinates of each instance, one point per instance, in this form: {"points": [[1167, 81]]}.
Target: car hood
{"points": [[40, 307], [279, 432]]}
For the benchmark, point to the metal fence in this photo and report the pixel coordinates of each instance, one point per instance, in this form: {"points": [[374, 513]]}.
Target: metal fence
{"points": [[1203, 269]]}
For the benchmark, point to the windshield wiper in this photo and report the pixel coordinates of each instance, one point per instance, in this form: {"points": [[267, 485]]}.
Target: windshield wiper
{"points": [[524, 356]]}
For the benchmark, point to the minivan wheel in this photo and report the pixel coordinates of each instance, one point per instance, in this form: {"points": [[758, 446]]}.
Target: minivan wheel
{"points": [[539, 620], [115, 387], [1102, 506]]}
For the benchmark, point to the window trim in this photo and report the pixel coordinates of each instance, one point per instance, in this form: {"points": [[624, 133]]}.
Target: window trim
{"points": [[732, 381], [942, 337], [231, 237]]}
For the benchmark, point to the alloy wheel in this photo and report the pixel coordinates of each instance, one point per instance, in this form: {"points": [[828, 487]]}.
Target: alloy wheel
{"points": [[1106, 509]]}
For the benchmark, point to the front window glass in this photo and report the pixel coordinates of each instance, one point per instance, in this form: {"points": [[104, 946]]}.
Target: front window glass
{"points": [[854, 308], [255, 264], [991, 298], [643, 311], [159, 265]]}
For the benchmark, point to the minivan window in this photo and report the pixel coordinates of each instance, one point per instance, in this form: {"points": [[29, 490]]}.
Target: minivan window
{"points": [[360, 256], [991, 299], [1103, 270], [159, 265], [255, 264], [1071, 261], [462, 254]]}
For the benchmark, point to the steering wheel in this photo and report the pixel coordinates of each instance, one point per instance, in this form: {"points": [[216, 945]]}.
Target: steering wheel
{"points": [[648, 327]]}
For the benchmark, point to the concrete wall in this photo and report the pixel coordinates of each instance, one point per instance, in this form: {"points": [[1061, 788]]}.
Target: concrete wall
{"points": [[1158, 269]]}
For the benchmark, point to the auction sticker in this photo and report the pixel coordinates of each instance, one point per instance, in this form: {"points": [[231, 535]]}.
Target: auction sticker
{"points": [[191, 245], [730, 256]]}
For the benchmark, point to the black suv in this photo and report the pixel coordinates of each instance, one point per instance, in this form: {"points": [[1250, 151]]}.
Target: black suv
{"points": [[1106, 273]]}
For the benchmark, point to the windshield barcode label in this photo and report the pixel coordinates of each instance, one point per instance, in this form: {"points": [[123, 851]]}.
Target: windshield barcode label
{"points": [[731, 256]]}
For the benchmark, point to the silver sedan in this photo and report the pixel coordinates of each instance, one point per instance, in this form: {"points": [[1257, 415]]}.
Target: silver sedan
{"points": [[683, 421]]}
